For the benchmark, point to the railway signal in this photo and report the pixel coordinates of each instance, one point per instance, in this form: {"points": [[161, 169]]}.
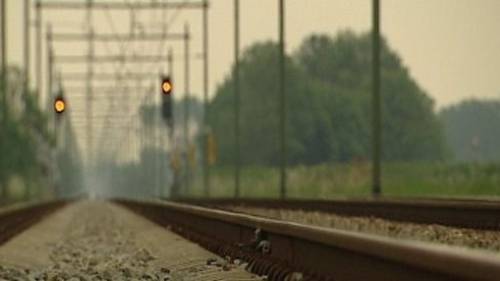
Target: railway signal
{"points": [[59, 104], [167, 88]]}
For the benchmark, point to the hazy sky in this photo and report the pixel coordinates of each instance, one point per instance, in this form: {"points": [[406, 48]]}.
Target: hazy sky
{"points": [[451, 47]]}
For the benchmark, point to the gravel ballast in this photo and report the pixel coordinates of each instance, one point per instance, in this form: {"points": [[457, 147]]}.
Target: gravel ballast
{"points": [[103, 241], [462, 237]]}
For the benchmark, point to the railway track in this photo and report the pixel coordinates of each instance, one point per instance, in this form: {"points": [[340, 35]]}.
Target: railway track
{"points": [[16, 218], [99, 240], [290, 251], [463, 213]]}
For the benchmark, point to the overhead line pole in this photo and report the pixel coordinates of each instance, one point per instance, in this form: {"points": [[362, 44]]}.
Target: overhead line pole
{"points": [[90, 56], [205, 126], [236, 98], [170, 62], [38, 47], [282, 100], [186, 106], [377, 135], [3, 35], [50, 64], [26, 45], [159, 140], [170, 67], [50, 73]]}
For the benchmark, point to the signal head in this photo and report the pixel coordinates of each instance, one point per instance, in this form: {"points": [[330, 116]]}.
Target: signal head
{"points": [[166, 86], [59, 105]]}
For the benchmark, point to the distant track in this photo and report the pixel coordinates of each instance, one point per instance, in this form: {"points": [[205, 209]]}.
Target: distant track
{"points": [[284, 249], [476, 214], [16, 218]]}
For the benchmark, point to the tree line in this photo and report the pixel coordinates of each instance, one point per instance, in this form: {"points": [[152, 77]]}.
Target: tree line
{"points": [[328, 88], [26, 144]]}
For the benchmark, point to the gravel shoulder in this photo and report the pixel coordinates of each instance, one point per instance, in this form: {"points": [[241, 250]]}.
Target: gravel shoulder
{"points": [[102, 241], [461, 237]]}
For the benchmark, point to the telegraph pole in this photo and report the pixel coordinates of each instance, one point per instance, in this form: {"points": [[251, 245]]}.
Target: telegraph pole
{"points": [[50, 72], [170, 70], [205, 126], [186, 106], [90, 56], [158, 139], [3, 77], [26, 46], [171, 135], [50, 65], [377, 142], [170, 62], [236, 98], [3, 35], [38, 47], [282, 100]]}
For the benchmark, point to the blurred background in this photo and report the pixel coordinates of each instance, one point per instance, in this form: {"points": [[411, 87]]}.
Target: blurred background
{"points": [[439, 99]]}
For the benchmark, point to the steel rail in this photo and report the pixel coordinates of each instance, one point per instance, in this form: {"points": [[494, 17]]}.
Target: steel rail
{"points": [[465, 213], [18, 217], [315, 253]]}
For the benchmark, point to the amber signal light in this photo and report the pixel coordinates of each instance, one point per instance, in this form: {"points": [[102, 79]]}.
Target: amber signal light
{"points": [[59, 105], [166, 86]]}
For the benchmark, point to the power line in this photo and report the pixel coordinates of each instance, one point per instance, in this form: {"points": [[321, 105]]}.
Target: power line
{"points": [[61, 5], [118, 37]]}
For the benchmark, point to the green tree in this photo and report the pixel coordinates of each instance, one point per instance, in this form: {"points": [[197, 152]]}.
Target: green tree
{"points": [[328, 91], [411, 130], [472, 130], [22, 131]]}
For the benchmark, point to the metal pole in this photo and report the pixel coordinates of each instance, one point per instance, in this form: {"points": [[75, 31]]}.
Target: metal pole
{"points": [[171, 127], [160, 141], [38, 47], [3, 38], [90, 55], [3, 93], [376, 188], [236, 98], [158, 137], [206, 167], [170, 60], [282, 99], [186, 106], [50, 65], [50, 73], [26, 45]]}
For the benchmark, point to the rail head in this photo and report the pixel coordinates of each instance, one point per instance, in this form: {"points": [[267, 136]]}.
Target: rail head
{"points": [[17, 217], [457, 263], [463, 213]]}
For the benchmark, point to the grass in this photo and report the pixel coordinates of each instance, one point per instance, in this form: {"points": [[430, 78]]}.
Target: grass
{"points": [[354, 180]]}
